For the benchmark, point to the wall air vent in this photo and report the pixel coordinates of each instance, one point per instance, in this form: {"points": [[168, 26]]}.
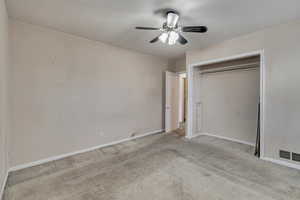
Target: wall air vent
{"points": [[285, 154], [296, 157]]}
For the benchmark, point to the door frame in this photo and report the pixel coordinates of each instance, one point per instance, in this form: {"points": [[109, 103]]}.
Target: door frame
{"points": [[190, 77]]}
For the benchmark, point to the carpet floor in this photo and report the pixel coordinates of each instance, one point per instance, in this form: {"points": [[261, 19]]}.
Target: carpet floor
{"points": [[158, 167]]}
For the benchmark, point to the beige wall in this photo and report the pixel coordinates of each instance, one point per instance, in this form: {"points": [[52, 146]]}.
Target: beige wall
{"points": [[177, 65], [229, 102], [4, 61], [70, 93], [282, 80]]}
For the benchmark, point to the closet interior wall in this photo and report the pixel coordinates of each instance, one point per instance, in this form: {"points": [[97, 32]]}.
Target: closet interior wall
{"points": [[227, 97]]}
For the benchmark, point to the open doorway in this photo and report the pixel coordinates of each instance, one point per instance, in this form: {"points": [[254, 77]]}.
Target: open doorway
{"points": [[226, 99], [182, 100], [176, 102]]}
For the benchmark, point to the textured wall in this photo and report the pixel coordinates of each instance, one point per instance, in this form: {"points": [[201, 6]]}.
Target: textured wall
{"points": [[4, 62], [229, 104], [70, 93], [177, 65]]}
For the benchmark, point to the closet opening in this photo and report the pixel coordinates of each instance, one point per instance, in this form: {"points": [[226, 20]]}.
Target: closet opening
{"points": [[227, 100]]}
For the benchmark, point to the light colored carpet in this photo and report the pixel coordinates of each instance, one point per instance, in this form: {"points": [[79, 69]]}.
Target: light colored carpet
{"points": [[159, 167]]}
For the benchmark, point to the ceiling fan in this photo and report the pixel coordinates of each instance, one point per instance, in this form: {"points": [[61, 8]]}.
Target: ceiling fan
{"points": [[171, 30]]}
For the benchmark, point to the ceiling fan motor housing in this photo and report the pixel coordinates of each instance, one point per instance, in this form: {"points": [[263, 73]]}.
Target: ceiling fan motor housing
{"points": [[165, 27]]}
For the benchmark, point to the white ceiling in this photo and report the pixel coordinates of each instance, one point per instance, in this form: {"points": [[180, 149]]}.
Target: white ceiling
{"points": [[113, 21]]}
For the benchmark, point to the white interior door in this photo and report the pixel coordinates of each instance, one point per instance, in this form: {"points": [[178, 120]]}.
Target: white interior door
{"points": [[172, 102]]}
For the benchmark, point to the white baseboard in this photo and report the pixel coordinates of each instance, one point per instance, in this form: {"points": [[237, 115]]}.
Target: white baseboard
{"points": [[195, 135], [3, 186], [42, 161], [225, 138], [281, 162]]}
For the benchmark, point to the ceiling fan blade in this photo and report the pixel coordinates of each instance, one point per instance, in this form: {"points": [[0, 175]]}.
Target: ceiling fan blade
{"points": [[146, 28], [172, 19], [155, 39], [182, 40], [194, 29]]}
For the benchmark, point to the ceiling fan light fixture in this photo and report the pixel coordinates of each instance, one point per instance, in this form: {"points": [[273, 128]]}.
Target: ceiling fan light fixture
{"points": [[173, 37], [164, 37], [169, 37]]}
